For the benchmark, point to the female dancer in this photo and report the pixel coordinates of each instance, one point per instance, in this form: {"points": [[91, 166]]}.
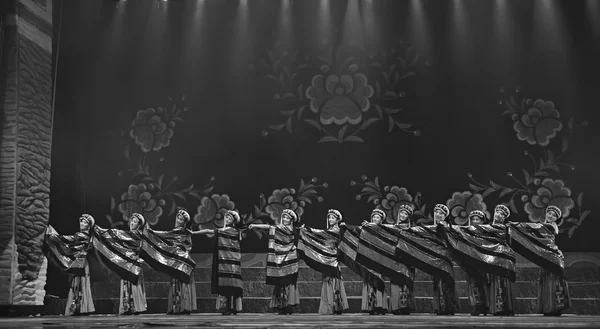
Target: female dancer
{"points": [[119, 250], [402, 299], [476, 279], [536, 242], [501, 300], [374, 300], [169, 252], [445, 300], [69, 253], [319, 249], [227, 264], [553, 293], [282, 262]]}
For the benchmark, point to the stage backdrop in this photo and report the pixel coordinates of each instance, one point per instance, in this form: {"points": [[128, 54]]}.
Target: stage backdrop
{"points": [[263, 105]]}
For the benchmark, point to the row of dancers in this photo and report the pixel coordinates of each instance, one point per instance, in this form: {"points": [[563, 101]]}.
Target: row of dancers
{"points": [[484, 248]]}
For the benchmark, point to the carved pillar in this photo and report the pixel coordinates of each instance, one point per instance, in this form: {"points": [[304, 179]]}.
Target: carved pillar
{"points": [[25, 144]]}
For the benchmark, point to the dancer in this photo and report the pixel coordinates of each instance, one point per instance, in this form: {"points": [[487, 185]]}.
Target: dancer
{"points": [[282, 262], [374, 300], [437, 261], [169, 252], [119, 250], [347, 252], [501, 300], [319, 249], [69, 253], [536, 242], [476, 279], [227, 264], [402, 299]]}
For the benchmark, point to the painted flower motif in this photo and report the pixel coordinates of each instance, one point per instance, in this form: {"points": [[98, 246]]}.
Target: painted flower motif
{"points": [[282, 199], [339, 99], [139, 199], [150, 131], [213, 209], [539, 124], [392, 201], [462, 203], [551, 192]]}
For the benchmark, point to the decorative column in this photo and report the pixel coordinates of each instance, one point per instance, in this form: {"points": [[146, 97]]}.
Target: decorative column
{"points": [[26, 95]]}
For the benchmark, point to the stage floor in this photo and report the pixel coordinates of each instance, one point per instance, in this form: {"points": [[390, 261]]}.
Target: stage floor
{"points": [[301, 321]]}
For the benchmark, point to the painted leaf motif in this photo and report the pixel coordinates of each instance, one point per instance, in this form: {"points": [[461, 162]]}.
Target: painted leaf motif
{"points": [[527, 177], [550, 157], [301, 92], [406, 75], [391, 123], [572, 230], [342, 132], [372, 198], [276, 127], [512, 206], [288, 96], [353, 139], [173, 207], [379, 111], [369, 189], [504, 192], [488, 192], [327, 139], [314, 124], [113, 204], [403, 125], [288, 112], [565, 144], [494, 185], [475, 187], [300, 111], [368, 122], [580, 199], [288, 125], [179, 195], [584, 215], [196, 195]]}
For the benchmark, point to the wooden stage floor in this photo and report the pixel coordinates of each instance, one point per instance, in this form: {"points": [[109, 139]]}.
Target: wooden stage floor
{"points": [[204, 320]]}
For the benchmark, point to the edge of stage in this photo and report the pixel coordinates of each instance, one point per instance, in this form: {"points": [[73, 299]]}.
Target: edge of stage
{"points": [[214, 320]]}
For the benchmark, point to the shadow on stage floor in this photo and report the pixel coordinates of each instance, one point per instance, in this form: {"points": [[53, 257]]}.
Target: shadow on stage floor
{"points": [[301, 321]]}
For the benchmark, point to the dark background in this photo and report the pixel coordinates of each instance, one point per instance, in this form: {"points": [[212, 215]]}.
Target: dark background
{"points": [[115, 60]]}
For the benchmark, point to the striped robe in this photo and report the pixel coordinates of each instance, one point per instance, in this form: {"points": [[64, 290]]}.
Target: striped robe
{"points": [[424, 248], [483, 247], [348, 252], [535, 241], [377, 250], [119, 251], [69, 253], [227, 265], [282, 259], [481, 250], [169, 252], [318, 249], [421, 247]]}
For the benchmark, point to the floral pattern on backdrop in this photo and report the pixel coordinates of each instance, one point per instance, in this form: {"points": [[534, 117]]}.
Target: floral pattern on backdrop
{"points": [[547, 137], [340, 91]]}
